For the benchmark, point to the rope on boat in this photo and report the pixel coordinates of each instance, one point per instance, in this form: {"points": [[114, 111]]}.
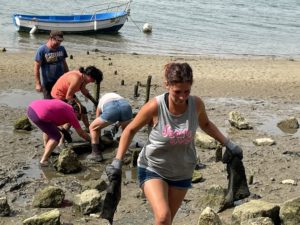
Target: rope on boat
{"points": [[135, 23]]}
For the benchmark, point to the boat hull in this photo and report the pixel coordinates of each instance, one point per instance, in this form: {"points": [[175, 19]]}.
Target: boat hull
{"points": [[70, 24]]}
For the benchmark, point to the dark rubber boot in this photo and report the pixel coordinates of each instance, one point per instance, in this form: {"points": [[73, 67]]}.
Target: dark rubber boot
{"points": [[96, 155]]}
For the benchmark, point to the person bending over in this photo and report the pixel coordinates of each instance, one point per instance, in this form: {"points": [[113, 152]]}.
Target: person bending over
{"points": [[112, 108], [74, 81], [48, 114]]}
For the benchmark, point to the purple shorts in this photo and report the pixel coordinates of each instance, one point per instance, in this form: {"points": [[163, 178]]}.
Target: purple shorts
{"points": [[47, 127]]}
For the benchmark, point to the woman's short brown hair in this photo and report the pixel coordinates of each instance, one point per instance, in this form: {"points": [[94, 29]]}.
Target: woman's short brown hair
{"points": [[178, 73]]}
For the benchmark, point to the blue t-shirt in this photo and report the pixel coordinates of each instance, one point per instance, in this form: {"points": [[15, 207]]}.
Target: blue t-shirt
{"points": [[52, 66]]}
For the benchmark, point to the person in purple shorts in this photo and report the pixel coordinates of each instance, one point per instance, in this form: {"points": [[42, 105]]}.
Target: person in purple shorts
{"points": [[48, 114]]}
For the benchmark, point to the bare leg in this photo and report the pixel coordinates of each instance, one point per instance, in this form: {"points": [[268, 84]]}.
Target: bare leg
{"points": [[176, 197], [95, 130], [164, 200], [45, 139], [51, 144]]}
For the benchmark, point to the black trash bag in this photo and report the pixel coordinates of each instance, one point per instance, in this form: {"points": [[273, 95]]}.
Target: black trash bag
{"points": [[113, 194], [66, 134], [237, 181]]}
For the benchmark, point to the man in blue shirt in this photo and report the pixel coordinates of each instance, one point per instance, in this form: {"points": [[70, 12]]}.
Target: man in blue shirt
{"points": [[50, 60]]}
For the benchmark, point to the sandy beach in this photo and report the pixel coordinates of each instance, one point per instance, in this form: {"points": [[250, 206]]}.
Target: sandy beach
{"points": [[264, 90]]}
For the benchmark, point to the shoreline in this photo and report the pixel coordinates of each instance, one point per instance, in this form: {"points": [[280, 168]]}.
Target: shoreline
{"points": [[174, 54], [213, 77]]}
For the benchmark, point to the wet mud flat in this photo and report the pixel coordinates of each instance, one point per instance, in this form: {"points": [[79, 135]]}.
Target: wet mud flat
{"points": [[21, 176]]}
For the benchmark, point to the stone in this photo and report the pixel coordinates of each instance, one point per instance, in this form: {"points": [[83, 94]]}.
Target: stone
{"points": [[214, 198], [49, 197], [258, 221], [205, 141], [289, 123], [98, 184], [253, 209], [68, 162], [289, 181], [197, 176], [290, 212], [264, 142], [88, 201], [209, 217], [4, 207], [23, 123], [48, 218], [238, 121]]}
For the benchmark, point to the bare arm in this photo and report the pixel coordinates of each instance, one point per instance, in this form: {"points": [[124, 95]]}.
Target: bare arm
{"points": [[74, 82], [206, 125], [87, 94], [37, 66], [147, 114]]}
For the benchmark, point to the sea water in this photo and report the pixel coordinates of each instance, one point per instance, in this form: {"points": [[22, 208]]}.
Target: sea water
{"points": [[180, 27]]}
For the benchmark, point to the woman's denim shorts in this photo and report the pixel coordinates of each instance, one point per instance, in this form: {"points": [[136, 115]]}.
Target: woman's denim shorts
{"points": [[144, 175], [116, 110]]}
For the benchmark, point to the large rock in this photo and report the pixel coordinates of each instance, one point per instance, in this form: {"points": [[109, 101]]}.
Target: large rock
{"points": [[209, 217], [48, 218], [68, 162], [290, 212], [23, 123], [49, 197], [253, 209], [88, 201], [98, 184], [238, 121], [214, 198], [4, 207], [258, 221], [205, 141], [290, 123]]}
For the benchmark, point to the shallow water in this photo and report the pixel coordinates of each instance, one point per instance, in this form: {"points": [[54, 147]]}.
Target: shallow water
{"points": [[205, 27], [264, 117]]}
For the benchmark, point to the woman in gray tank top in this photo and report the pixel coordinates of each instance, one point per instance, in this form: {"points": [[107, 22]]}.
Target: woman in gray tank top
{"points": [[168, 159]]}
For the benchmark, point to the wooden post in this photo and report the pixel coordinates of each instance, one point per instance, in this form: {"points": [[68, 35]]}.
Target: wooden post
{"points": [[219, 154], [148, 88], [136, 91]]}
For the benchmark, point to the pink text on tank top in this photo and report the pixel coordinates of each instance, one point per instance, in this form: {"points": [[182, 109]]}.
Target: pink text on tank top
{"points": [[177, 136]]}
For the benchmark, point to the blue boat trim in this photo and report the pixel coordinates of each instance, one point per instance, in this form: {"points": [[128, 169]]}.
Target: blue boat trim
{"points": [[113, 29]]}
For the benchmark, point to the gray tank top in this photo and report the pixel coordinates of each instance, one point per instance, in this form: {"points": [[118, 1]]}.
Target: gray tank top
{"points": [[170, 149]]}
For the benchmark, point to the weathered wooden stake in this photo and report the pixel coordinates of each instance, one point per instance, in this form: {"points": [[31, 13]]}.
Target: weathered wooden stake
{"points": [[218, 154], [148, 88], [136, 91]]}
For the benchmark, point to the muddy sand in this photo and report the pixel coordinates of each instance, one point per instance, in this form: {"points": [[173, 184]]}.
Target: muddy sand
{"points": [[264, 90]]}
